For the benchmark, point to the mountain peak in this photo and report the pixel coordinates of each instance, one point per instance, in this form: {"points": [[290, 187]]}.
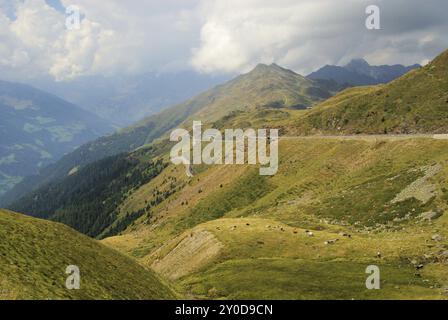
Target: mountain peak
{"points": [[357, 63], [271, 68], [358, 72], [263, 66]]}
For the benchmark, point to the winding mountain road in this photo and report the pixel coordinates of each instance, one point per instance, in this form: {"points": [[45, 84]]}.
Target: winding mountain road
{"points": [[371, 137]]}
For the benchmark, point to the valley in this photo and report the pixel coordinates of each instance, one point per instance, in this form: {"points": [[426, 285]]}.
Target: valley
{"points": [[241, 237], [362, 181], [37, 129]]}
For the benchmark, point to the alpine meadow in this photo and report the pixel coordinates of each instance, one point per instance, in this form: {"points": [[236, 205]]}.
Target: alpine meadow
{"points": [[242, 179]]}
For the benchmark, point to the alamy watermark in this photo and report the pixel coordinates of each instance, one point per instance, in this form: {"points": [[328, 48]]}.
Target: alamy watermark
{"points": [[190, 150], [373, 21], [73, 18], [73, 281], [373, 280]]}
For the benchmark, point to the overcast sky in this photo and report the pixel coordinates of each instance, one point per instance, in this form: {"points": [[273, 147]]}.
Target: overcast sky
{"points": [[212, 36]]}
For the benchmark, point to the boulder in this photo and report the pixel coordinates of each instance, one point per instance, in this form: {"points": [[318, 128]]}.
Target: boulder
{"points": [[437, 237]]}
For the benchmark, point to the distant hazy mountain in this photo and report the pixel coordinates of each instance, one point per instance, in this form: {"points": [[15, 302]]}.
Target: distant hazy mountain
{"points": [[37, 128], [125, 100], [359, 73]]}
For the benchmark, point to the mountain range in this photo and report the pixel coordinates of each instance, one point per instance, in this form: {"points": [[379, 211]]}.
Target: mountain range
{"points": [[135, 96], [264, 87], [359, 72], [415, 103], [268, 95], [348, 193]]}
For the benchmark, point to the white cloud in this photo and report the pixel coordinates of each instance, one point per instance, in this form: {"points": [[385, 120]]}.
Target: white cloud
{"points": [[115, 37], [222, 36], [36, 42], [306, 34], [140, 35]]}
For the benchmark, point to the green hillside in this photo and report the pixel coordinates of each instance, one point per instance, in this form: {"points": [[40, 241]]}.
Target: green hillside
{"points": [[229, 233], [89, 199], [414, 103], [264, 87], [35, 254], [336, 206], [38, 128]]}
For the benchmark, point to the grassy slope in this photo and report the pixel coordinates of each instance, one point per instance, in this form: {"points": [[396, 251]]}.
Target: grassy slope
{"points": [[414, 103], [35, 254], [268, 263], [265, 86], [259, 262], [87, 201], [324, 185]]}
